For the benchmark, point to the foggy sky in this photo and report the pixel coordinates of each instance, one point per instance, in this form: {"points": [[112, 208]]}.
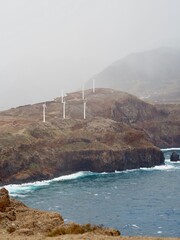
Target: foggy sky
{"points": [[49, 45]]}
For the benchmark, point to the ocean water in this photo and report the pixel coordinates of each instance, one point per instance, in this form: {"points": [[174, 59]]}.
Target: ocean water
{"points": [[137, 202]]}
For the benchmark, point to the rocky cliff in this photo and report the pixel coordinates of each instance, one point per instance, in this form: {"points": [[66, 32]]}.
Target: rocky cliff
{"points": [[164, 130], [114, 136]]}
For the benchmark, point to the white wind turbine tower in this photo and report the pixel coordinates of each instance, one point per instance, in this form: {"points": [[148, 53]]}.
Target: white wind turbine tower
{"points": [[84, 109], [64, 110], [93, 85], [44, 112], [64, 104]]}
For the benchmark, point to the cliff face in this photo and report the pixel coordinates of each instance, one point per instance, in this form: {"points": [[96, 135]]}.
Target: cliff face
{"points": [[164, 130], [112, 137], [62, 163], [97, 145]]}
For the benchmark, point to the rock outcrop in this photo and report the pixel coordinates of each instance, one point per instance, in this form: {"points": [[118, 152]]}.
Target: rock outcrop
{"points": [[17, 219], [4, 199], [113, 137], [99, 145], [164, 130], [174, 157]]}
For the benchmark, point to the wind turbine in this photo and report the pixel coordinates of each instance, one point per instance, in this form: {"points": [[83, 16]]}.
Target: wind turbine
{"points": [[93, 85], [64, 110], [44, 112], [84, 109]]}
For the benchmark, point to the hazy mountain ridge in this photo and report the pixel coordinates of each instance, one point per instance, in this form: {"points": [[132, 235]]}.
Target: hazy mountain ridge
{"points": [[151, 75]]}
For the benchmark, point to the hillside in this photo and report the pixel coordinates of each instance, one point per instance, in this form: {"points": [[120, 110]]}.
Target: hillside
{"points": [[110, 138], [164, 130], [152, 75]]}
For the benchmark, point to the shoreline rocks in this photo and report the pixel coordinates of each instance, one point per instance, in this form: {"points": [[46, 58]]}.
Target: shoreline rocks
{"points": [[64, 163], [174, 157], [33, 222]]}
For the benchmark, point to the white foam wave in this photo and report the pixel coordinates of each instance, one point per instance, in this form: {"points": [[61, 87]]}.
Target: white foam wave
{"points": [[71, 176], [25, 188], [127, 171], [27, 185], [170, 149], [164, 167], [18, 195], [168, 166], [168, 161], [19, 189], [135, 226], [160, 168]]}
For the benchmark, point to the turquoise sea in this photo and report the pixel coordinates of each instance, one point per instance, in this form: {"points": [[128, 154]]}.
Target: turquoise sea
{"points": [[137, 202]]}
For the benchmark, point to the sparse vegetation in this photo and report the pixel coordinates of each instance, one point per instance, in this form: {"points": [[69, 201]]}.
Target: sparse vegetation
{"points": [[73, 228], [11, 229], [133, 136]]}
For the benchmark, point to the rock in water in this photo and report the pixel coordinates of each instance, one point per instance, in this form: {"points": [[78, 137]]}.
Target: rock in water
{"points": [[174, 157]]}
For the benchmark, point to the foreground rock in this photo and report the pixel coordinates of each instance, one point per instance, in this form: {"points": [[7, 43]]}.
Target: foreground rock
{"points": [[19, 220]]}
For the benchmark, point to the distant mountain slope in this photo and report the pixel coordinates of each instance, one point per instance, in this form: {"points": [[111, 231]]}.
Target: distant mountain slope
{"points": [[152, 75]]}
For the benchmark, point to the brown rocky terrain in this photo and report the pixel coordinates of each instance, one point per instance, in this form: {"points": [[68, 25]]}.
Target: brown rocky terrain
{"points": [[165, 131], [112, 137]]}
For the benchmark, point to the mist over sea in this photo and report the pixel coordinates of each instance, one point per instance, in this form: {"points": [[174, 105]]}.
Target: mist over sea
{"points": [[137, 202]]}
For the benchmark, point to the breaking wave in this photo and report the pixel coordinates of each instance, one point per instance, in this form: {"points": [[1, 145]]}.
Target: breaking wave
{"points": [[19, 189], [170, 149]]}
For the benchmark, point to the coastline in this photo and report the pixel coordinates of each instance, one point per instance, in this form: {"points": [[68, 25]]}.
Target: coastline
{"points": [[79, 175], [20, 222]]}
